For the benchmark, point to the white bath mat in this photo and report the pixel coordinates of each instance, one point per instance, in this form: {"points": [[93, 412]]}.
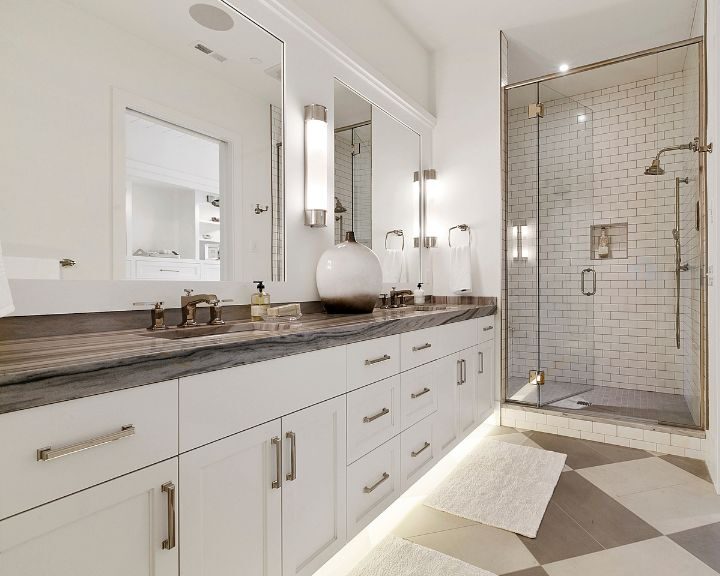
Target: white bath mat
{"points": [[503, 485], [398, 557]]}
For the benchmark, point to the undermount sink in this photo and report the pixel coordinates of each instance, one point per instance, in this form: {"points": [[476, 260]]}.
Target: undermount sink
{"points": [[219, 329]]}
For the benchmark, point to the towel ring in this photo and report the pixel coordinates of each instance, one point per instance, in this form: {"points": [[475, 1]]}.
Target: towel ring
{"points": [[462, 228], [395, 233]]}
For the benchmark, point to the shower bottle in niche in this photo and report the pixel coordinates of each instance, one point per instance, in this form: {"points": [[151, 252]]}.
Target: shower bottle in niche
{"points": [[603, 244]]}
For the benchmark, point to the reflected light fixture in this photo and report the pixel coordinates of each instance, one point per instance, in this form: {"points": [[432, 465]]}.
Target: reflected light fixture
{"points": [[316, 166], [564, 67], [582, 118], [520, 236], [430, 177]]}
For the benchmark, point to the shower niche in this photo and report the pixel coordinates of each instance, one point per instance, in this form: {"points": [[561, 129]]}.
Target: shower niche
{"points": [[608, 241]]}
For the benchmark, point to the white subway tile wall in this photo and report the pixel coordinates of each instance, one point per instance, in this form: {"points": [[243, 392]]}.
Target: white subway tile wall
{"points": [[353, 184], [277, 184], [594, 148]]}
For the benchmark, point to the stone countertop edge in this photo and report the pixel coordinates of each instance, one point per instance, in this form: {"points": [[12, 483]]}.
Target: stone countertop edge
{"points": [[39, 386]]}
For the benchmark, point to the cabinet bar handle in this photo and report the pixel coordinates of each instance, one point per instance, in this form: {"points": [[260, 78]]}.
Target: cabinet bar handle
{"points": [[418, 394], [278, 462], [293, 457], [368, 489], [482, 363], [464, 370], [44, 454], [458, 373], [422, 347], [486, 328], [382, 412], [382, 358], [168, 270], [169, 489], [416, 454]]}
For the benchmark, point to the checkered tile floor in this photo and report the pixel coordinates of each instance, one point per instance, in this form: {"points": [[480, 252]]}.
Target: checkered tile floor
{"points": [[615, 511]]}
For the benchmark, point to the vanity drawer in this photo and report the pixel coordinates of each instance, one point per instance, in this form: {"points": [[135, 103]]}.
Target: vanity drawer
{"points": [[418, 451], [419, 394], [373, 416], [486, 329], [373, 483], [69, 446], [217, 404], [167, 270], [372, 360], [420, 347], [459, 336]]}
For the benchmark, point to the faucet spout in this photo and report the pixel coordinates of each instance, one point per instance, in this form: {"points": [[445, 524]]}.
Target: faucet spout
{"points": [[188, 306]]}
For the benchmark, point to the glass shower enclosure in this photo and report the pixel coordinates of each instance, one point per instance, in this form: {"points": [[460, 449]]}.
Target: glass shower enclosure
{"points": [[603, 253]]}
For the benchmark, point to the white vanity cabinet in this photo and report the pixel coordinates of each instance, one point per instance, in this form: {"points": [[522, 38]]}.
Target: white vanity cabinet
{"points": [[122, 527], [264, 469]]}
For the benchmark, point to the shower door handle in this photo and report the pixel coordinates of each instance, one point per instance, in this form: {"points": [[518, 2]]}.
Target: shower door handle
{"points": [[594, 281]]}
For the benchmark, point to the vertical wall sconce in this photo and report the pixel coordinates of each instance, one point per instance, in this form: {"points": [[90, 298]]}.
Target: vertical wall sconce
{"points": [[520, 235], [428, 182], [316, 165], [430, 178]]}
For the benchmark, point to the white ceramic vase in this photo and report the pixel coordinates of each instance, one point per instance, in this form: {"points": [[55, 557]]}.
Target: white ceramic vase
{"points": [[349, 278]]}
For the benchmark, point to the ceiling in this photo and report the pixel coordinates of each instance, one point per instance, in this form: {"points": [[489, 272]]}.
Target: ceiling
{"points": [[541, 35]]}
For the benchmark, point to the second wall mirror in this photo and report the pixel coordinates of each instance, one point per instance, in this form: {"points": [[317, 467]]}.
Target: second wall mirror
{"points": [[377, 195]]}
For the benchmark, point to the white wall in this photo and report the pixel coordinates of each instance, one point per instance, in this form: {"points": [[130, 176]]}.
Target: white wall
{"points": [[466, 154], [371, 31], [311, 64]]}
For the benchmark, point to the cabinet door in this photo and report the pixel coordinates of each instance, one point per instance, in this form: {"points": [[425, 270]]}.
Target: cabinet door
{"points": [[231, 505], [466, 386], [314, 488], [445, 378], [118, 528], [485, 359]]}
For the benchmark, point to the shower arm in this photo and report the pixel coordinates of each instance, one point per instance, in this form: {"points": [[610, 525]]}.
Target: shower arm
{"points": [[691, 146]]}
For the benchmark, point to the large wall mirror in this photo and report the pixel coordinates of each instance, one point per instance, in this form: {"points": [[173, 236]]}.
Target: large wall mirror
{"points": [[142, 141], [377, 195]]}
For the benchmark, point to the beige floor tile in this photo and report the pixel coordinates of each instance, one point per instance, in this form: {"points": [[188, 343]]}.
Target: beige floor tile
{"points": [[425, 520], [623, 478], [516, 438], [701, 542], [695, 467], [676, 508], [489, 548], [656, 557]]}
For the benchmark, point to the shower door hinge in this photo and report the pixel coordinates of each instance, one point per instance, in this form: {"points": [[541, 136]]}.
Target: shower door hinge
{"points": [[536, 377], [536, 110]]}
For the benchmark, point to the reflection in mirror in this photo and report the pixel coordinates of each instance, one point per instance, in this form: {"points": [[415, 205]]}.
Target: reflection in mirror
{"points": [[376, 158], [161, 146]]}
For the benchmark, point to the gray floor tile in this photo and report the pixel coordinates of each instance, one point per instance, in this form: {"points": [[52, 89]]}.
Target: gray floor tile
{"points": [[600, 515], [695, 467], [536, 571], [579, 453], [703, 543], [559, 538]]}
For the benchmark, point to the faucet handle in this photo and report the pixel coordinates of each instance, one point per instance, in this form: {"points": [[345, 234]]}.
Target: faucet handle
{"points": [[188, 291], [384, 298], [157, 315]]}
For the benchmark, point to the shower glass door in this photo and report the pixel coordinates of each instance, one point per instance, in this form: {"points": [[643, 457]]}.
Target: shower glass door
{"points": [[551, 281]]}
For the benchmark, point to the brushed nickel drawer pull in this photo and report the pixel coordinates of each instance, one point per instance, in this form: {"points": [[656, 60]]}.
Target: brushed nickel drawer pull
{"points": [[482, 363], [368, 489], [293, 457], [422, 347], [418, 394], [168, 270], [44, 454], [169, 489], [416, 454], [278, 462], [458, 373], [486, 328], [382, 412], [464, 370], [382, 358]]}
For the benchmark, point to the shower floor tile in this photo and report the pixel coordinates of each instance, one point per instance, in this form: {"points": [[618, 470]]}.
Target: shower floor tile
{"points": [[605, 401]]}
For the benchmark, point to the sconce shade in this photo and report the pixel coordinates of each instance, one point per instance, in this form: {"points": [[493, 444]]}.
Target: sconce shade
{"points": [[316, 165]]}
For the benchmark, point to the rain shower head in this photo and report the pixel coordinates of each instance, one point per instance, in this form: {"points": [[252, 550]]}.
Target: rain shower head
{"points": [[655, 169]]}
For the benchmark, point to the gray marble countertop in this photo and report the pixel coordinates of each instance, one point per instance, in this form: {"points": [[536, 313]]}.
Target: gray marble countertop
{"points": [[40, 371]]}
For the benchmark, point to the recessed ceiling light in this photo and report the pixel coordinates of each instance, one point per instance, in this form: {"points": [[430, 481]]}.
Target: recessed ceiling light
{"points": [[564, 67], [211, 17]]}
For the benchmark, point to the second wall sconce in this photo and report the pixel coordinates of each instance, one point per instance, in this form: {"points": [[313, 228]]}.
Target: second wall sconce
{"points": [[316, 166]]}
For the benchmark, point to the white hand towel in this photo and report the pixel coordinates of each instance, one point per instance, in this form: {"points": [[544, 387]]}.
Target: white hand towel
{"points": [[394, 268], [460, 269], [6, 301]]}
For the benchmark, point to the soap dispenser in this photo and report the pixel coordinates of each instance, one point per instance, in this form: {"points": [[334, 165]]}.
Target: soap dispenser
{"points": [[259, 302], [419, 295]]}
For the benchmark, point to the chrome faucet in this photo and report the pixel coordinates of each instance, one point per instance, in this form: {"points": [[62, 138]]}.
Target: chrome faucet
{"points": [[397, 297], [188, 305]]}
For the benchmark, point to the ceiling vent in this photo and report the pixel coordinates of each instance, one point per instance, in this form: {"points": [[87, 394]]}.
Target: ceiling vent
{"points": [[204, 49], [210, 52]]}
